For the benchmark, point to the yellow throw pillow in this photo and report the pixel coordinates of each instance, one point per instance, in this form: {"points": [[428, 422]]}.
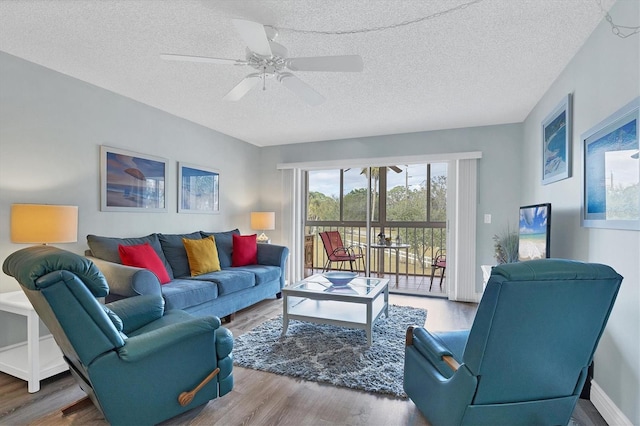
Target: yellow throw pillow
{"points": [[202, 255]]}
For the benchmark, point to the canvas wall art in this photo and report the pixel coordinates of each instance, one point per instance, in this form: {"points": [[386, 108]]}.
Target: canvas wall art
{"points": [[611, 187], [556, 135], [132, 182], [198, 189]]}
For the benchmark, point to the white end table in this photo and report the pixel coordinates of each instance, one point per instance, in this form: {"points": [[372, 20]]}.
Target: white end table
{"points": [[486, 274], [38, 357]]}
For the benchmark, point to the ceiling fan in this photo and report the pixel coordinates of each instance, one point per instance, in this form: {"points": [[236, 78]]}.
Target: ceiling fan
{"points": [[270, 60]]}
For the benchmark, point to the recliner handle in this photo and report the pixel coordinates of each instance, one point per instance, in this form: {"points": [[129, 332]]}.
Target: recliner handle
{"points": [[185, 398], [451, 362]]}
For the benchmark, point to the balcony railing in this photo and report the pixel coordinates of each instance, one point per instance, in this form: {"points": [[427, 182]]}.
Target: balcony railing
{"points": [[424, 243]]}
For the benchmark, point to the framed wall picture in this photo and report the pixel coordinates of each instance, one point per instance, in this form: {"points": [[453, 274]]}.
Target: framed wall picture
{"points": [[198, 189], [611, 190], [556, 143], [132, 182]]}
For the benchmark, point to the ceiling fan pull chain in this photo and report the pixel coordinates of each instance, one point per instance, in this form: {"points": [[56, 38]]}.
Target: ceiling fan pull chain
{"points": [[264, 78]]}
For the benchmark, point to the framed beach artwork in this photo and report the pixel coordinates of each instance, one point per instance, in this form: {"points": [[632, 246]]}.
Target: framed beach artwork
{"points": [[132, 182], [556, 143], [611, 187], [198, 189]]}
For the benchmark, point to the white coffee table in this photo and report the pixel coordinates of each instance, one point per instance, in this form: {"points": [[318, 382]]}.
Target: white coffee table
{"points": [[357, 305]]}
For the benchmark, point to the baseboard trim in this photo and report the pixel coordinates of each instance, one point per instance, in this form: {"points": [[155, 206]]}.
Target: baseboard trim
{"points": [[606, 407]]}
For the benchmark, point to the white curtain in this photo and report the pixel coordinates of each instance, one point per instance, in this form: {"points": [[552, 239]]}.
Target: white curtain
{"points": [[293, 207], [461, 237]]}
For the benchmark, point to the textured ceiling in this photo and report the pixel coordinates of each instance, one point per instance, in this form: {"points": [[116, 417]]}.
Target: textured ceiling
{"points": [[488, 63]]}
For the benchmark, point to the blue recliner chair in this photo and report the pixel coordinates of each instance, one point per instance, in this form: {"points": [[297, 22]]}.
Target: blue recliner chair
{"points": [[525, 359], [137, 362]]}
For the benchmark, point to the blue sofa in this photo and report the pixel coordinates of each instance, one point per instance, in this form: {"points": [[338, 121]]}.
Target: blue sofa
{"points": [[220, 293]]}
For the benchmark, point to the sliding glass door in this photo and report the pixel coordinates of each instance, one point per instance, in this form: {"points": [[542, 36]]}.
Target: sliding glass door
{"points": [[407, 203]]}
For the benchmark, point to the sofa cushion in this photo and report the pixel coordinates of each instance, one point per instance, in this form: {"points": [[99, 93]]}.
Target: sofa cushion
{"points": [[245, 250], [224, 244], [230, 280], [174, 251], [184, 293], [202, 255], [263, 273], [144, 256], [106, 248]]}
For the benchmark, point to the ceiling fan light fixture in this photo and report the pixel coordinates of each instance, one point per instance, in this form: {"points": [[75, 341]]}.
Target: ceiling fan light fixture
{"points": [[272, 59]]}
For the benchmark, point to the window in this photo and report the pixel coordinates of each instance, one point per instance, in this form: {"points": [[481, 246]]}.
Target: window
{"points": [[416, 193], [410, 194], [323, 201], [354, 195]]}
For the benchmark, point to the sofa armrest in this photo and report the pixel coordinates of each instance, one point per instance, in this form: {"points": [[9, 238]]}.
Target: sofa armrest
{"points": [[135, 312], [140, 347], [433, 350], [127, 281], [224, 342], [427, 342], [271, 254], [274, 255]]}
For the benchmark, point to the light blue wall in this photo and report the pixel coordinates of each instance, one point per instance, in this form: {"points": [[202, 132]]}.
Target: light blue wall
{"points": [[51, 129], [603, 76]]}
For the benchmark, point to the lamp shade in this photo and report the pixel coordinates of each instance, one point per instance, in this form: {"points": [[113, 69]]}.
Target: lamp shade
{"points": [[44, 223], [263, 221]]}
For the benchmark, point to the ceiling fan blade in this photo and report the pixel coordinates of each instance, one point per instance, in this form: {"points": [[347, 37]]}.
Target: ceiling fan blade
{"points": [[300, 88], [254, 36], [189, 58], [347, 63], [396, 169], [243, 87]]}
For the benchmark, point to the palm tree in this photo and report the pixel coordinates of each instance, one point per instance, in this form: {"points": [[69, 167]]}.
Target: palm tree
{"points": [[375, 174]]}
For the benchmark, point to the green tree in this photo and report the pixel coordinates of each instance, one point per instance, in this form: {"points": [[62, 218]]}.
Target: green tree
{"points": [[322, 207], [438, 198], [405, 205], [355, 205]]}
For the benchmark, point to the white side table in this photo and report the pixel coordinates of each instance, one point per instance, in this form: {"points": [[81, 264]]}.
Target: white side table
{"points": [[486, 274], [38, 357], [395, 247]]}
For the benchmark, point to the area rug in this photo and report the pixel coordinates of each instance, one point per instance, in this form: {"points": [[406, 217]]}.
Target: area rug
{"points": [[330, 354]]}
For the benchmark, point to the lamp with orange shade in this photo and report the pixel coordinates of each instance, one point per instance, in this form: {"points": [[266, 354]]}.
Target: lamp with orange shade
{"points": [[44, 223], [263, 221]]}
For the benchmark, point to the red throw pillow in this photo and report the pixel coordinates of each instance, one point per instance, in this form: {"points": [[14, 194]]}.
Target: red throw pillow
{"points": [[144, 256], [245, 250]]}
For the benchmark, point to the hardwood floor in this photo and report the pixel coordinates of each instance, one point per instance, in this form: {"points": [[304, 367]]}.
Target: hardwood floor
{"points": [[260, 398]]}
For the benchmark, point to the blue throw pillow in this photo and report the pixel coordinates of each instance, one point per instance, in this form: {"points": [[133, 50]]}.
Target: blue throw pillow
{"points": [[224, 244], [174, 251]]}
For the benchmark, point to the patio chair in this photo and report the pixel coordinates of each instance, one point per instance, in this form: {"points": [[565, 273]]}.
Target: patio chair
{"points": [[337, 252], [439, 262], [527, 355]]}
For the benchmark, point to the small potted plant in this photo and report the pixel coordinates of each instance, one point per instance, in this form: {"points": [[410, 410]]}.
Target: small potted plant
{"points": [[506, 246]]}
